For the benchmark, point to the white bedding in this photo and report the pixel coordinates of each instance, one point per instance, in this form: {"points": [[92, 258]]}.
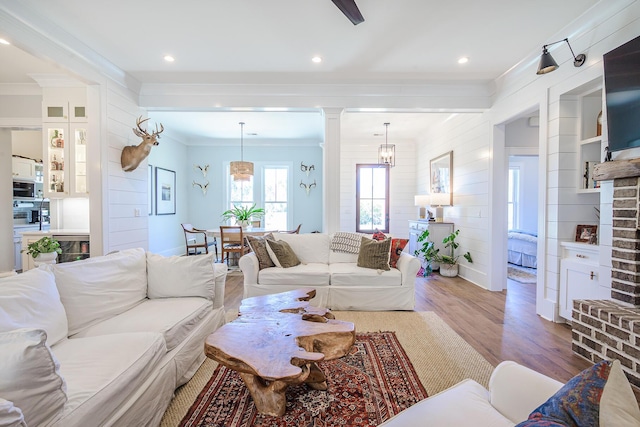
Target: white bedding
{"points": [[522, 248]]}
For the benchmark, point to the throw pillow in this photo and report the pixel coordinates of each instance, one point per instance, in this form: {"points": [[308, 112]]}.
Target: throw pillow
{"points": [[10, 416], [397, 246], [30, 376], [281, 254], [343, 241], [180, 276], [378, 235], [587, 400], [258, 245], [374, 254], [31, 300]]}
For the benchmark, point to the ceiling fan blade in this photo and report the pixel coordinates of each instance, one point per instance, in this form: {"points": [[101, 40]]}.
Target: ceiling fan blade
{"points": [[350, 10]]}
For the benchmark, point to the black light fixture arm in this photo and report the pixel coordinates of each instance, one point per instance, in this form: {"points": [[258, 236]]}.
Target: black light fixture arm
{"points": [[577, 60]]}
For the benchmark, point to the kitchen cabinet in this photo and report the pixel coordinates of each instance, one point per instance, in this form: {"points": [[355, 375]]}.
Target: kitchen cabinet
{"points": [[578, 275], [437, 232], [24, 169], [65, 168]]}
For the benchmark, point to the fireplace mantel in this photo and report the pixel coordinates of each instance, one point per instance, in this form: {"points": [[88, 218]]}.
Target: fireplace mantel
{"points": [[616, 169]]}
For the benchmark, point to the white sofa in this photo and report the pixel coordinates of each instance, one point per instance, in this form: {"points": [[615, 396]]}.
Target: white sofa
{"points": [[105, 341], [340, 284]]}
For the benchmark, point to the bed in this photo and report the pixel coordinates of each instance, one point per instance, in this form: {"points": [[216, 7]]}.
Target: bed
{"points": [[522, 248]]}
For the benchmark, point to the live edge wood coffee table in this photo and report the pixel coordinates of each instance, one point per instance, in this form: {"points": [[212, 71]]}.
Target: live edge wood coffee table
{"points": [[276, 342]]}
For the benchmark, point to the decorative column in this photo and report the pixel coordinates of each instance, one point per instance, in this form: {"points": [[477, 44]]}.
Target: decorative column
{"points": [[331, 170]]}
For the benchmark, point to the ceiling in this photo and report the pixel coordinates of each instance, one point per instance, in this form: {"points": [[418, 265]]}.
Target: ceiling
{"points": [[260, 42]]}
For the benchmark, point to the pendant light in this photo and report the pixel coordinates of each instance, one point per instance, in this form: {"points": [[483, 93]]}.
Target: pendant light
{"points": [[241, 171], [387, 152]]}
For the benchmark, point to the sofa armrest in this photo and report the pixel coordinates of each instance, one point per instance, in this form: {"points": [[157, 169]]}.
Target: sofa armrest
{"points": [[220, 274], [249, 266], [408, 266], [515, 390]]}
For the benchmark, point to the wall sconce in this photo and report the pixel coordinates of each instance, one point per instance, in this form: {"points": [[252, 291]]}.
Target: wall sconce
{"points": [[422, 201], [439, 199], [387, 152], [548, 64]]}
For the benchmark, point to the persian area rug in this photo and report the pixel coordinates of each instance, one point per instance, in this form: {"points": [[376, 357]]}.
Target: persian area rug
{"points": [[374, 382], [522, 274]]}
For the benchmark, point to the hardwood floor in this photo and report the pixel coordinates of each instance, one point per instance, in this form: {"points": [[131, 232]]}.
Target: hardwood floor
{"points": [[499, 325]]}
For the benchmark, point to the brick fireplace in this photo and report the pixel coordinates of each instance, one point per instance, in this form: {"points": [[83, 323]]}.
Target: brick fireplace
{"points": [[610, 329]]}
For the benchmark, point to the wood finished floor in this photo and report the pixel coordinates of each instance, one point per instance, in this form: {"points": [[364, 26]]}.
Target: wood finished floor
{"points": [[499, 325]]}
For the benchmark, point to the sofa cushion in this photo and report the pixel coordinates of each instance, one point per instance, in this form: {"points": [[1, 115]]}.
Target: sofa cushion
{"points": [[180, 276], [10, 416], [31, 300], [281, 254], [343, 241], [103, 372], [30, 376], [599, 395], [174, 318], [259, 247], [308, 247], [397, 246], [98, 288], [344, 274], [312, 274], [374, 254]]}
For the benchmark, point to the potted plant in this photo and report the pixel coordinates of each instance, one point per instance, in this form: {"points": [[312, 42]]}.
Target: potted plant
{"points": [[44, 251], [427, 253], [449, 263], [243, 214]]}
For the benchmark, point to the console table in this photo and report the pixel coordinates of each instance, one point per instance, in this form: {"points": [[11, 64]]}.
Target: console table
{"points": [[437, 232]]}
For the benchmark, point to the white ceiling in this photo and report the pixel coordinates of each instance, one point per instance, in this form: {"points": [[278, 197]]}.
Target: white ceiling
{"points": [[272, 41]]}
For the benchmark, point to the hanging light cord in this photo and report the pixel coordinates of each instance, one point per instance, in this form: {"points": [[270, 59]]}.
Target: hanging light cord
{"points": [[242, 141], [386, 137]]}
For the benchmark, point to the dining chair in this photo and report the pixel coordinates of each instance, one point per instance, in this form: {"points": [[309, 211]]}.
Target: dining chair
{"points": [[256, 224], [294, 231], [232, 241], [196, 240]]}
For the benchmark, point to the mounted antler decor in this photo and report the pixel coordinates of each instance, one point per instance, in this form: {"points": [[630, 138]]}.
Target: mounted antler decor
{"points": [[306, 169], [133, 155], [204, 169], [308, 187], [203, 187]]}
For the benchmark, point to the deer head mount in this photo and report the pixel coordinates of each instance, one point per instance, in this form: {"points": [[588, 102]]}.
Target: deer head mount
{"points": [[204, 169], [308, 187], [133, 155], [306, 169], [203, 187]]}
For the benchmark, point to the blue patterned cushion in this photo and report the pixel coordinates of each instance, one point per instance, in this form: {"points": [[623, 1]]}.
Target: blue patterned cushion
{"points": [[577, 403]]}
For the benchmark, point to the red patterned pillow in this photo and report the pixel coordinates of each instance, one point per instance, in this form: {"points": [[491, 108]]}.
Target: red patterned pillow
{"points": [[397, 246], [378, 235]]}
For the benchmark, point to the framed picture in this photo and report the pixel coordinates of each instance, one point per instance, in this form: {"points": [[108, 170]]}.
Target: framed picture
{"points": [[165, 192], [587, 234], [441, 176], [150, 189]]}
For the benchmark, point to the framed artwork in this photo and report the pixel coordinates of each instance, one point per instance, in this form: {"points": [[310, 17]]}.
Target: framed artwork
{"points": [[587, 234], [165, 192], [150, 189], [441, 176]]}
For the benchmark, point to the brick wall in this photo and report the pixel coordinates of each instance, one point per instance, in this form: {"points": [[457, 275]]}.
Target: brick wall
{"points": [[625, 255]]}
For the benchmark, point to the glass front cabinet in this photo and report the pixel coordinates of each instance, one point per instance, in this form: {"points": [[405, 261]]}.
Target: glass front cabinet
{"points": [[65, 166]]}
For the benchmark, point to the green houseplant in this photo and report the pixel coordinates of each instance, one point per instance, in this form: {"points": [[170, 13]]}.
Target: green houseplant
{"points": [[449, 263], [243, 214], [427, 253], [44, 251]]}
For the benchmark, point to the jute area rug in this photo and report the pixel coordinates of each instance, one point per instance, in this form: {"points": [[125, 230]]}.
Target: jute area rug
{"points": [[522, 274], [440, 357]]}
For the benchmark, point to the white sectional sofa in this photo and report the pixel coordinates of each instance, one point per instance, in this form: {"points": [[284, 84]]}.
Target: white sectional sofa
{"points": [[105, 341], [340, 284]]}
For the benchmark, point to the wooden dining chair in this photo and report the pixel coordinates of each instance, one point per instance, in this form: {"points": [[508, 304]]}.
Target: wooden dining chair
{"points": [[232, 241], [255, 223], [294, 231], [196, 240]]}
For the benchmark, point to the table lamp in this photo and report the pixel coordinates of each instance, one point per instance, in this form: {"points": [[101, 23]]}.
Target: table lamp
{"points": [[439, 199], [422, 200]]}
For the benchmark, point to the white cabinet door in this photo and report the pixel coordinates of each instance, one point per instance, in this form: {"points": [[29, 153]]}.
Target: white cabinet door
{"points": [[578, 280], [23, 168]]}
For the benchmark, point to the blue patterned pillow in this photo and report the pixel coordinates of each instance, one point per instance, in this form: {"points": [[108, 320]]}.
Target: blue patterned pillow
{"points": [[576, 404]]}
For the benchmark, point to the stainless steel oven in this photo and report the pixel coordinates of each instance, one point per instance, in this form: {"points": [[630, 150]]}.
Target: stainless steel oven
{"points": [[24, 190]]}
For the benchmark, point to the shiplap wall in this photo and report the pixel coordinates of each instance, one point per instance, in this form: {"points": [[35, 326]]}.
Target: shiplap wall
{"points": [[402, 183]]}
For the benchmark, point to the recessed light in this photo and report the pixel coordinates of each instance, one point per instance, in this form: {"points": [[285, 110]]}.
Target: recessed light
{"points": [[316, 59], [169, 58], [3, 41], [463, 60]]}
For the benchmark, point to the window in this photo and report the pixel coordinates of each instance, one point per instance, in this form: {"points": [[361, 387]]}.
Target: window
{"points": [[513, 198], [240, 192], [276, 197], [372, 198]]}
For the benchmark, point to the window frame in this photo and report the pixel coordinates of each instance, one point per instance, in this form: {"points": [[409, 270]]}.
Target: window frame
{"points": [[360, 166]]}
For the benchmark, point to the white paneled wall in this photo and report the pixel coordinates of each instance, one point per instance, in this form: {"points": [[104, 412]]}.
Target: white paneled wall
{"points": [[402, 183]]}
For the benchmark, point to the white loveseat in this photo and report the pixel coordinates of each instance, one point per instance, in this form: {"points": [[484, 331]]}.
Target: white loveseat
{"points": [[339, 283], [122, 332]]}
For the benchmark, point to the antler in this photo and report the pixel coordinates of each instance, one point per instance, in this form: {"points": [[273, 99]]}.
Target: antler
{"points": [[204, 169], [203, 187], [307, 187], [143, 132], [306, 169]]}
